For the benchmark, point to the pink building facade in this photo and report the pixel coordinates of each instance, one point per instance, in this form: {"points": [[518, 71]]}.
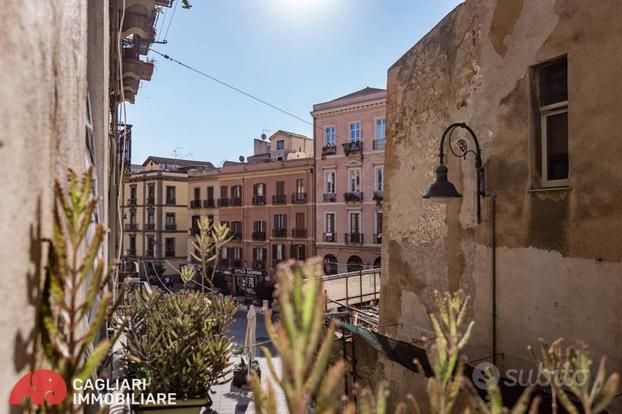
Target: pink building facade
{"points": [[349, 179]]}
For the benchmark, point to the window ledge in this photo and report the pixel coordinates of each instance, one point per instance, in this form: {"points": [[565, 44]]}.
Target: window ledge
{"points": [[548, 189]]}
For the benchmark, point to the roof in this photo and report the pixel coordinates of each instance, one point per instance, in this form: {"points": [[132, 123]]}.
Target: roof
{"points": [[178, 161], [292, 134], [361, 95]]}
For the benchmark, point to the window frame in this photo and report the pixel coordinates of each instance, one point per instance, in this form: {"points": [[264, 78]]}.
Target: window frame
{"points": [[360, 130], [333, 135], [326, 221], [360, 221], [378, 168], [384, 129], [545, 112], [334, 182], [360, 180]]}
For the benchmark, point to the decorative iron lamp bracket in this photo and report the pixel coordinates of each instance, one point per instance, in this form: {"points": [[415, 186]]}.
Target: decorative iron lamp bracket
{"points": [[444, 189]]}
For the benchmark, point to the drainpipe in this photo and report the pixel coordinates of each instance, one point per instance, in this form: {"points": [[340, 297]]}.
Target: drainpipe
{"points": [[494, 276]]}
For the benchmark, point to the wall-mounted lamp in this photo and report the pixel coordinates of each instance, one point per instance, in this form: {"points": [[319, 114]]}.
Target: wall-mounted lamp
{"points": [[442, 189]]}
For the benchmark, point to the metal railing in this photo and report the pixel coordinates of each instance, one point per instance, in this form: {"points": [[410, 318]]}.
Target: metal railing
{"points": [[352, 288], [354, 238], [195, 203], [259, 235], [299, 198], [329, 237], [329, 150], [330, 197], [209, 203], [353, 197], [281, 232], [352, 147], [279, 199], [299, 233], [259, 200]]}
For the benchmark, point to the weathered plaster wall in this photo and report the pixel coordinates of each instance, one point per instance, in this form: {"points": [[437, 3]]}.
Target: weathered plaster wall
{"points": [[559, 270], [42, 109]]}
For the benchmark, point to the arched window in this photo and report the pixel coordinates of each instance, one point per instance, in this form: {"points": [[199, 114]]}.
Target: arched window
{"points": [[330, 264], [378, 263], [355, 264]]}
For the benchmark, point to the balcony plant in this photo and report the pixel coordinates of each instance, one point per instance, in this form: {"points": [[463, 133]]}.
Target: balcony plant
{"points": [[180, 346], [207, 245]]}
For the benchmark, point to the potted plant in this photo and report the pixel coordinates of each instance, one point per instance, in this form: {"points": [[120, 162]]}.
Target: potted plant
{"points": [[180, 346]]}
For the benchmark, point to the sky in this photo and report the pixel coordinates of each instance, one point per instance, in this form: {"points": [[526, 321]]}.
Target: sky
{"points": [[291, 53]]}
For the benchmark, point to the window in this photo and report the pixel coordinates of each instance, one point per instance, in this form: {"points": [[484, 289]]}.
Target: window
{"points": [[280, 221], [355, 264], [236, 227], [133, 217], [197, 193], [133, 192], [380, 129], [150, 246], [298, 251], [300, 186], [170, 219], [132, 245], [259, 254], [329, 223], [355, 222], [223, 252], [151, 193], [329, 182], [195, 223], [210, 193], [223, 191], [300, 220], [150, 217], [378, 237], [280, 144], [237, 253], [355, 132], [170, 194], [259, 226], [354, 180], [236, 191], [330, 264], [259, 190], [280, 187], [553, 110], [169, 244], [330, 136], [278, 252], [379, 179]]}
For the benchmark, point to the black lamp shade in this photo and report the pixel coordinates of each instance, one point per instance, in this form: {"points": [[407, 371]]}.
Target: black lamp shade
{"points": [[442, 188]]}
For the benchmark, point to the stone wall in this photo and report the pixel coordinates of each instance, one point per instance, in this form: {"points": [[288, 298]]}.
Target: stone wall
{"points": [[559, 270]]}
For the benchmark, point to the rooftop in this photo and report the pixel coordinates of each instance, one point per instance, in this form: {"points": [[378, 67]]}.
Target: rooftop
{"points": [[178, 162], [362, 95], [291, 134]]}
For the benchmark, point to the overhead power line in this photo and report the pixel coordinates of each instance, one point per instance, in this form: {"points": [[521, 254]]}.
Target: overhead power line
{"points": [[228, 85]]}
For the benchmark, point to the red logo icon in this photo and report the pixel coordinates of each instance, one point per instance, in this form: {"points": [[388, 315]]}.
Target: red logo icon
{"points": [[43, 385]]}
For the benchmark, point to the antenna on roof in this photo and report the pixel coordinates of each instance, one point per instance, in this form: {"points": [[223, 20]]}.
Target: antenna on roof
{"points": [[241, 158], [263, 134]]}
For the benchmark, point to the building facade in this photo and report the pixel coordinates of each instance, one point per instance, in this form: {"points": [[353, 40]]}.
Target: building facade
{"points": [[267, 203], [156, 213], [539, 86], [349, 181]]}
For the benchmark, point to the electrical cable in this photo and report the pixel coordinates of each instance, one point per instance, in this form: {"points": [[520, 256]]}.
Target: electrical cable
{"points": [[170, 21]]}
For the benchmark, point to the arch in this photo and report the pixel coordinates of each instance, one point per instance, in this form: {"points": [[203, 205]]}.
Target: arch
{"points": [[330, 264], [355, 264], [378, 262]]}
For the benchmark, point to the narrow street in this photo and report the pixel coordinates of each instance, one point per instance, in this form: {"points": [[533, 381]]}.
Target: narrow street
{"points": [[230, 399]]}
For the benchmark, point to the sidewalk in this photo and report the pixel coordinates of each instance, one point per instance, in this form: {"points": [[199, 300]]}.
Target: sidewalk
{"points": [[232, 400]]}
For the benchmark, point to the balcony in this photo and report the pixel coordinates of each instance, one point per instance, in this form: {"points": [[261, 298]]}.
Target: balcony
{"points": [[354, 238], [329, 237], [259, 235], [170, 227], [209, 203], [379, 144], [259, 265], [237, 264], [329, 150], [330, 197], [299, 198], [132, 201], [224, 263], [131, 227], [377, 238], [279, 199], [279, 232], [195, 203], [352, 147], [171, 201], [131, 252], [150, 201], [353, 197], [236, 235], [223, 202], [378, 196], [236, 201], [259, 200], [150, 226], [299, 233]]}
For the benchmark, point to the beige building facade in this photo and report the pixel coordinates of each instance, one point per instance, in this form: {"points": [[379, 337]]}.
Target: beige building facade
{"points": [[538, 83], [349, 180]]}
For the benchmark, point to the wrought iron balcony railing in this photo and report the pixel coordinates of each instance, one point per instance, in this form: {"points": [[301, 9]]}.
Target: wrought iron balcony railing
{"points": [[353, 197], [329, 150], [279, 199], [259, 235], [150, 226], [131, 227], [329, 237], [170, 227], [299, 198], [377, 238], [236, 201], [280, 232], [378, 196], [209, 203], [195, 203], [259, 200], [299, 233], [259, 265], [352, 147], [330, 197], [223, 202], [150, 200], [132, 201], [354, 238]]}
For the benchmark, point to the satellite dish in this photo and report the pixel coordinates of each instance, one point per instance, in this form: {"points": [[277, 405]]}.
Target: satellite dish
{"points": [[264, 137], [241, 158]]}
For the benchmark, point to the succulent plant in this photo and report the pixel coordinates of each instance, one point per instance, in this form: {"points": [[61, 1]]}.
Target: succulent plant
{"points": [[207, 245], [180, 346]]}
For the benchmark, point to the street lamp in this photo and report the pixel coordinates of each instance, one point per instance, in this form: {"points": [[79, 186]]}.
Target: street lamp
{"points": [[442, 189]]}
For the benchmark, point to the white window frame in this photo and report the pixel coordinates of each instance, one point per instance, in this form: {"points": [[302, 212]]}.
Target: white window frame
{"points": [[237, 253], [326, 182], [376, 170], [545, 112], [360, 131], [223, 252], [384, 129], [376, 213], [332, 135], [326, 214], [360, 184], [360, 214], [279, 217], [280, 248]]}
